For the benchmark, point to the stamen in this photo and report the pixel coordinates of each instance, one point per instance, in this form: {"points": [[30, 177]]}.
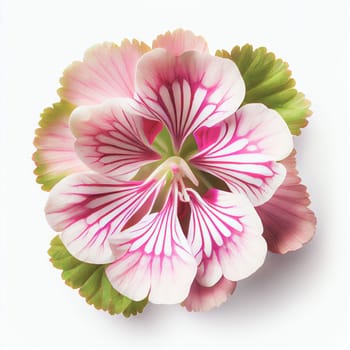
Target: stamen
{"points": [[177, 167], [184, 197], [188, 172]]}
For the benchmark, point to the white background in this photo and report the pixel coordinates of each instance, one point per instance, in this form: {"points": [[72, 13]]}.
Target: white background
{"points": [[297, 301]]}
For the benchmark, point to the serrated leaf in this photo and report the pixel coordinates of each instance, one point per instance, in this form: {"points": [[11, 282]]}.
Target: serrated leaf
{"points": [[268, 81], [92, 282], [55, 157], [135, 308]]}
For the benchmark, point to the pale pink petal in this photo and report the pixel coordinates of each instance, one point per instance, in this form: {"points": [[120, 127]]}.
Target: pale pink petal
{"points": [[153, 258], [88, 208], [206, 298], [243, 151], [107, 71], [55, 156], [288, 222], [179, 41], [188, 91], [110, 140], [225, 235]]}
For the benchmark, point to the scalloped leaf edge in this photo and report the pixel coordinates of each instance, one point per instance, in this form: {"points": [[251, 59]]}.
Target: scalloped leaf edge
{"points": [[92, 282], [268, 80]]}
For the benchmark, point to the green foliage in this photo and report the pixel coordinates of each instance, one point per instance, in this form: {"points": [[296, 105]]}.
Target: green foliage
{"points": [[92, 282], [268, 81]]}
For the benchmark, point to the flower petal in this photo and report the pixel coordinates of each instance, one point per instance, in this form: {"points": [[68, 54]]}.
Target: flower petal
{"points": [[206, 298], [288, 222], [151, 129], [187, 91], [243, 149], [110, 140], [179, 41], [107, 71], [55, 157], [225, 236], [88, 208], [153, 258]]}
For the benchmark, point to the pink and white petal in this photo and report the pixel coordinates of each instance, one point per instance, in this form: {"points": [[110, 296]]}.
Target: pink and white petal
{"points": [[243, 150], [55, 156], [206, 298], [107, 71], [265, 129], [179, 41], [88, 208], [225, 235], [256, 181], [187, 91], [288, 222], [110, 139], [153, 258]]}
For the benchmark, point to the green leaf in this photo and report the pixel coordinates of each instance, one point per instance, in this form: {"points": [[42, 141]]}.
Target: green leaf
{"points": [[135, 307], [55, 157], [268, 81], [92, 282]]}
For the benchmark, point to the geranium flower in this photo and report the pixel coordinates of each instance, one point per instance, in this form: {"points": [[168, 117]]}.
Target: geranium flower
{"points": [[166, 170]]}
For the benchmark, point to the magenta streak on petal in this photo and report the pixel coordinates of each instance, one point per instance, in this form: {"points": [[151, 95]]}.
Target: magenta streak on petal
{"points": [[210, 225], [225, 236], [130, 198], [187, 91], [110, 140], [153, 258], [124, 195], [151, 129], [89, 208], [183, 106], [241, 159], [207, 136]]}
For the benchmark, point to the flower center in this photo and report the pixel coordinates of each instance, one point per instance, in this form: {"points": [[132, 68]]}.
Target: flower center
{"points": [[175, 169], [173, 161]]}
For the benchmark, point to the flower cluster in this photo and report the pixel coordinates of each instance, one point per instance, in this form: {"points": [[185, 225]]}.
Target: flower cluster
{"points": [[167, 177]]}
